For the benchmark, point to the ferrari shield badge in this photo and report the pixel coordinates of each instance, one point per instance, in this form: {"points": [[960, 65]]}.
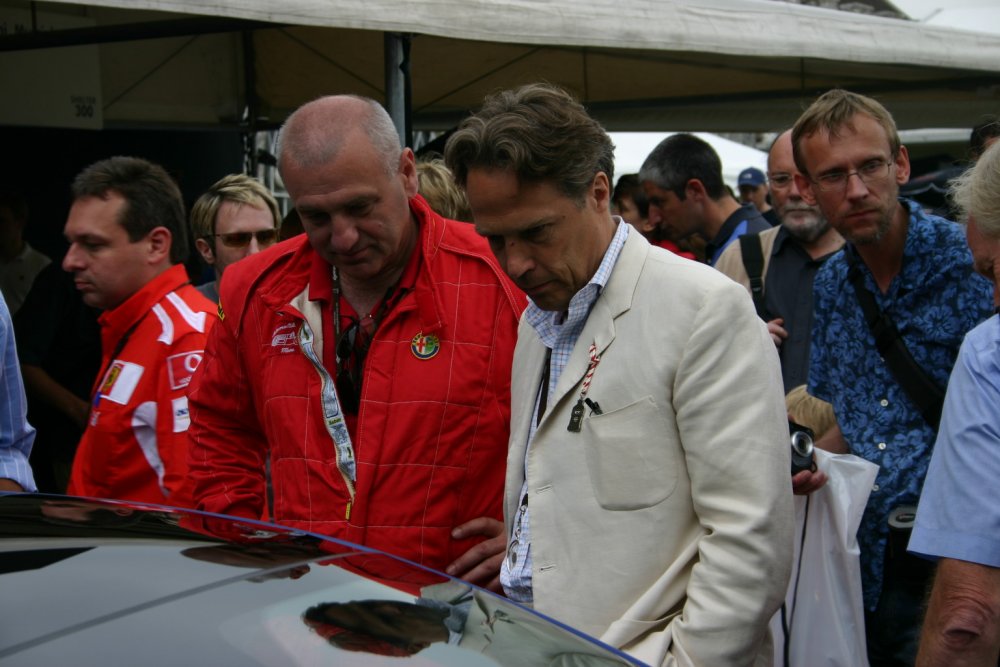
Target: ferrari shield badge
{"points": [[425, 347]]}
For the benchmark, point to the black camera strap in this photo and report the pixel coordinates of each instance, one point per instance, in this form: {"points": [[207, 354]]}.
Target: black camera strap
{"points": [[752, 255], [921, 389]]}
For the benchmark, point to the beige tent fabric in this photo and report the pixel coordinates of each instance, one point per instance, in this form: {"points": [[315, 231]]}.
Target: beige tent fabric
{"points": [[732, 27], [713, 65]]}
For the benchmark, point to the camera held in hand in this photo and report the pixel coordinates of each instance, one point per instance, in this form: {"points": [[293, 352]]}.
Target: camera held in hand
{"points": [[802, 448]]}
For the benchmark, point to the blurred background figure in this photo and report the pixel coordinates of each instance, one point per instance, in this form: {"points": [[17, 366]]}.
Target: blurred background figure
{"points": [[753, 190], [932, 189], [16, 435], [629, 201], [808, 411], [59, 345], [236, 217], [19, 262], [682, 179], [778, 265], [437, 185], [983, 135]]}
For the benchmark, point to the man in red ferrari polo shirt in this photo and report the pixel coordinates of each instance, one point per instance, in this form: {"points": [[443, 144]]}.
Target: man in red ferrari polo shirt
{"points": [[127, 235]]}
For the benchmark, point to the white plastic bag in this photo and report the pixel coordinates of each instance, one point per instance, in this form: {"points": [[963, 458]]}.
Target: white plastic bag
{"points": [[826, 612]]}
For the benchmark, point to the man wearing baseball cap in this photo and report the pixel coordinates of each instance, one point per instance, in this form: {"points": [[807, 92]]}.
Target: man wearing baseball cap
{"points": [[753, 190]]}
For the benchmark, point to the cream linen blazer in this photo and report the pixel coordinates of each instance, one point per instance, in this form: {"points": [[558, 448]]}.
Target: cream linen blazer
{"points": [[664, 527]]}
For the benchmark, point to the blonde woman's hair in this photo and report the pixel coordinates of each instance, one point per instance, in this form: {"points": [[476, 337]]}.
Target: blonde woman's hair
{"points": [[437, 185], [809, 411]]}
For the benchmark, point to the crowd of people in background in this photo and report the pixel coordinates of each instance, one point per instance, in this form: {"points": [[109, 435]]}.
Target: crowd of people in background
{"points": [[421, 346]]}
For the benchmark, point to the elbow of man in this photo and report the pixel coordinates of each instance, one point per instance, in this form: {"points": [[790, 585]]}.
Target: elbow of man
{"points": [[10, 485], [968, 618]]}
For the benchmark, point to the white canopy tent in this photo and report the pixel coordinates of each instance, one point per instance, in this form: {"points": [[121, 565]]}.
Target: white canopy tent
{"points": [[717, 65]]}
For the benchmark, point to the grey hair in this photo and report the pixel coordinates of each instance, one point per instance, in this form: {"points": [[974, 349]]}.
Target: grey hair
{"points": [[540, 133], [977, 192], [314, 133]]}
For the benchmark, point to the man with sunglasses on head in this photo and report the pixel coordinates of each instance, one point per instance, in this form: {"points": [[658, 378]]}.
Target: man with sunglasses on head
{"points": [[911, 275], [368, 360], [235, 217], [128, 243]]}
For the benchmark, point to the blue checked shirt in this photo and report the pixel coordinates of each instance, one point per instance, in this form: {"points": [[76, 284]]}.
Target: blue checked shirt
{"points": [[16, 435], [560, 335]]}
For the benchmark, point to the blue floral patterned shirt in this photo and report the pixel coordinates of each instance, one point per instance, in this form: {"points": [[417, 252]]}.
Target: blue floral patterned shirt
{"points": [[934, 300]]}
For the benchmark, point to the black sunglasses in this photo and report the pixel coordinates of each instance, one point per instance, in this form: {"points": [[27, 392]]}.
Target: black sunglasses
{"points": [[351, 362], [264, 237]]}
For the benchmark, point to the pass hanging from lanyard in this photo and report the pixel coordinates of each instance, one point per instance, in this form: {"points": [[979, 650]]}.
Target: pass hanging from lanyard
{"points": [[576, 416]]}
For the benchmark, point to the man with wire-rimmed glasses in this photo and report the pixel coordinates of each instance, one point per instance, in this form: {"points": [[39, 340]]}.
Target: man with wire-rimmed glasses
{"points": [[368, 360], [780, 274], [890, 313]]}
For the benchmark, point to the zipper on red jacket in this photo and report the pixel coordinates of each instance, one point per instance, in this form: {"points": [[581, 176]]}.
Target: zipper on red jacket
{"points": [[333, 416]]}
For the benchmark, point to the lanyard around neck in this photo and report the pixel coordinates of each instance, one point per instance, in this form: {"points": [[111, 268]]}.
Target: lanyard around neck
{"points": [[377, 317]]}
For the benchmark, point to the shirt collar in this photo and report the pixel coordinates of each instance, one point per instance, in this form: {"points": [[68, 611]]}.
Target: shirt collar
{"points": [[745, 212], [134, 308], [545, 322], [781, 238]]}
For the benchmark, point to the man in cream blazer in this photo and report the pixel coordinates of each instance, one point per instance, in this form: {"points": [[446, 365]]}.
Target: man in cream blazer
{"points": [[648, 425]]}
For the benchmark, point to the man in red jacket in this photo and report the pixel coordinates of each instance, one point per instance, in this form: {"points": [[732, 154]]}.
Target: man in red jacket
{"points": [[368, 361], [128, 242]]}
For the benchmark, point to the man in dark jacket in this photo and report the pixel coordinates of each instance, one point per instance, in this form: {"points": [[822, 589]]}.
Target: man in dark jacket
{"points": [[682, 178]]}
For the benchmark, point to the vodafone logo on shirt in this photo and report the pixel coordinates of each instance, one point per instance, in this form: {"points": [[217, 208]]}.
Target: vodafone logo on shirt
{"points": [[181, 367]]}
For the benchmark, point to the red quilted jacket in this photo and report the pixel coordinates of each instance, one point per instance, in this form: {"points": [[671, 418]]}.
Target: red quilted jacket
{"points": [[431, 438]]}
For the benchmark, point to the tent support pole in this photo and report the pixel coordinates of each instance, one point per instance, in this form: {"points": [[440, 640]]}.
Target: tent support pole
{"points": [[250, 91], [398, 84]]}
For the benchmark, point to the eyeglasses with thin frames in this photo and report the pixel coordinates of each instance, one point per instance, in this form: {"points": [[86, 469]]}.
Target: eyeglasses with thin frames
{"points": [[265, 237], [780, 180], [873, 171]]}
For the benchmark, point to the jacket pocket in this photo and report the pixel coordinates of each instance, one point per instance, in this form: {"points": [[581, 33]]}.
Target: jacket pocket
{"points": [[649, 641], [630, 456]]}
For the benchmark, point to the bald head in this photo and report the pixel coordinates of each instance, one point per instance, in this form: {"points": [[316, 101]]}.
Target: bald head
{"points": [[351, 183], [315, 133]]}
